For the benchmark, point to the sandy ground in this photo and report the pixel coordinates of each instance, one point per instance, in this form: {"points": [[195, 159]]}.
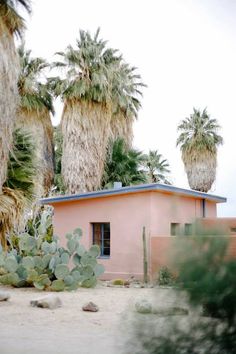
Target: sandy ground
{"points": [[28, 330]]}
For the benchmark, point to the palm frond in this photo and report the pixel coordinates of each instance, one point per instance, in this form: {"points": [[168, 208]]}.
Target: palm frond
{"points": [[10, 17], [21, 166], [156, 167], [12, 204], [35, 95], [123, 165]]}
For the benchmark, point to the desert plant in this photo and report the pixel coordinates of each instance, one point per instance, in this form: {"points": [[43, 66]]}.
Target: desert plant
{"points": [[18, 188], [207, 275], [156, 167], [100, 94], [123, 165], [45, 265], [198, 141], [33, 115], [11, 23], [165, 276]]}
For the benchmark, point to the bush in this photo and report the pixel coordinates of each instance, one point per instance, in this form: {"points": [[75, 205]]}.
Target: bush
{"points": [[44, 265], [208, 275], [165, 277]]}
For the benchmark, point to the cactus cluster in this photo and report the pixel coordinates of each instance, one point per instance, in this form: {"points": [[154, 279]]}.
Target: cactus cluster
{"points": [[47, 265]]}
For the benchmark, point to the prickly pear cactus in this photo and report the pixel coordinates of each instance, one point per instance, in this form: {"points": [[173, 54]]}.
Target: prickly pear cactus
{"points": [[47, 265]]}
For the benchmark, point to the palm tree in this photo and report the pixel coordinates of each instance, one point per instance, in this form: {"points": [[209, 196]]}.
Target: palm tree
{"points": [[86, 93], [34, 115], [123, 165], [198, 142], [94, 94], [11, 23], [19, 186], [126, 92], [157, 168]]}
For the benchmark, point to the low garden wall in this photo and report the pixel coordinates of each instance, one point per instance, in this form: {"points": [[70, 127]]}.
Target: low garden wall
{"points": [[163, 250]]}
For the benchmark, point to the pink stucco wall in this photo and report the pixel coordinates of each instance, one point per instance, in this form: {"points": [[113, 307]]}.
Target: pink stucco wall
{"points": [[127, 215]]}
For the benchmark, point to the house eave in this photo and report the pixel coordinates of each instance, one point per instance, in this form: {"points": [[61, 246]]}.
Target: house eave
{"points": [[154, 187]]}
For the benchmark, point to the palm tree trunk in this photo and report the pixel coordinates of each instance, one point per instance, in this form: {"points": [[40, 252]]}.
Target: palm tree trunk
{"points": [[9, 70], [122, 127], [39, 125], [86, 131], [200, 169]]}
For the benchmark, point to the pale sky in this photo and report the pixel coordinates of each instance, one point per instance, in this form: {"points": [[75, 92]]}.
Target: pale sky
{"points": [[185, 51]]}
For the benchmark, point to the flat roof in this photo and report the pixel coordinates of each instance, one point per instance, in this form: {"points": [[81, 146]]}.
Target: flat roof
{"points": [[155, 187]]}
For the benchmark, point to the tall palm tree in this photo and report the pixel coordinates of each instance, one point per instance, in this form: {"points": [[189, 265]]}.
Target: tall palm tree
{"points": [[198, 141], [157, 168], [33, 115], [11, 23], [19, 186], [126, 91], [86, 93], [94, 93], [123, 165]]}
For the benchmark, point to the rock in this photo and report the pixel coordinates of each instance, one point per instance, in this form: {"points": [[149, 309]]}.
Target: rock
{"points": [[143, 306], [47, 302], [4, 296], [91, 307], [171, 311]]}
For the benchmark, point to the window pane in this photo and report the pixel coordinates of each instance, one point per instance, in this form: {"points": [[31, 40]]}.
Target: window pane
{"points": [[106, 251], [188, 230], [174, 229], [101, 237], [97, 234], [106, 243]]}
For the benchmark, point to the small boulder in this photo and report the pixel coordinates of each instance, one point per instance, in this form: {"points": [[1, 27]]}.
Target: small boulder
{"points": [[47, 302], [91, 307], [143, 306], [4, 296]]}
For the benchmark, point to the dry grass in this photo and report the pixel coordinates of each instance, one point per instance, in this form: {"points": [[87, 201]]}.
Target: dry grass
{"points": [[86, 131], [9, 70]]}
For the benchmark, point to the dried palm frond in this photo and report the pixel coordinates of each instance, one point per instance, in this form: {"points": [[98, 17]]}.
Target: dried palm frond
{"points": [[40, 128], [85, 128], [122, 128], [36, 103], [18, 191], [12, 204], [9, 70]]}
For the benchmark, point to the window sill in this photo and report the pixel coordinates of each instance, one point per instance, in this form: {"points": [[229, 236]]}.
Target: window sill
{"points": [[104, 257]]}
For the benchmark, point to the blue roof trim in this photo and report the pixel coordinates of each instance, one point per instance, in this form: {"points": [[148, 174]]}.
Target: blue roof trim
{"points": [[133, 189]]}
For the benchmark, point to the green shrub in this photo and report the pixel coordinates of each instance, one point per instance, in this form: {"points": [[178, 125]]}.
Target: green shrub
{"points": [[165, 277], [207, 275], [44, 265]]}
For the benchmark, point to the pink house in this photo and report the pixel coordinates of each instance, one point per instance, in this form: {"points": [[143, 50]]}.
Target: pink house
{"points": [[115, 218]]}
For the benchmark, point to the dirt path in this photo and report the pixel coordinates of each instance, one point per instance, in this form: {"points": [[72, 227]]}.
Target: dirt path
{"points": [[69, 330]]}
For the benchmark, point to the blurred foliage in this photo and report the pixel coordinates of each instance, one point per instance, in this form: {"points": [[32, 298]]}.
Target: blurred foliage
{"points": [[207, 275], [165, 276]]}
